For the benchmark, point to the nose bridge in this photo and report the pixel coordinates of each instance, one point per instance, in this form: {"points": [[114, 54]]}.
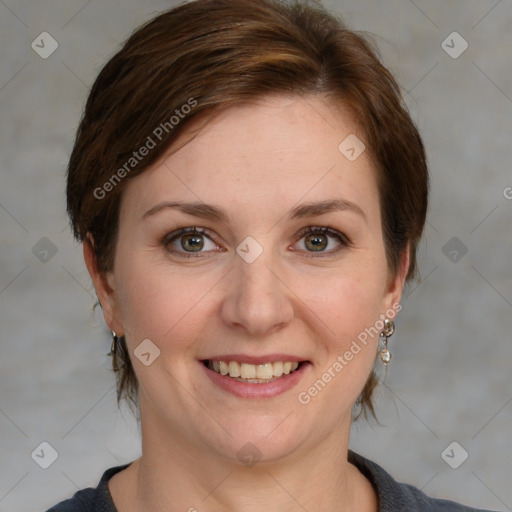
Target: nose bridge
{"points": [[256, 278], [256, 300]]}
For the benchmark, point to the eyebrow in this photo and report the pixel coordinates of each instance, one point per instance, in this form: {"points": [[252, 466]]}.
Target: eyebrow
{"points": [[209, 211]]}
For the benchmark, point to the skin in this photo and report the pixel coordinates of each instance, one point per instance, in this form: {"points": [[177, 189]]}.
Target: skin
{"points": [[256, 161]]}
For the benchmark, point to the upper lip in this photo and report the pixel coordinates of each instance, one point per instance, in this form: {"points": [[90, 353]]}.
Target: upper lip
{"points": [[245, 358]]}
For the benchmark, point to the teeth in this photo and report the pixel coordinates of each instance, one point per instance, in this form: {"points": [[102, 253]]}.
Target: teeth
{"points": [[265, 371], [224, 368], [234, 369], [261, 372], [278, 368], [247, 371]]}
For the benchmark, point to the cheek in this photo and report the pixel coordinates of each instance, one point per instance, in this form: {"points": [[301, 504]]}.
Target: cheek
{"points": [[356, 324], [349, 309], [161, 303], [348, 299]]}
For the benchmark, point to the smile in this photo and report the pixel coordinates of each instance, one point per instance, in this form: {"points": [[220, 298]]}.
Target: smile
{"points": [[253, 373], [254, 379]]}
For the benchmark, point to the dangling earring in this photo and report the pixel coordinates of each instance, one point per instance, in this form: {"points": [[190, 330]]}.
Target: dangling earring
{"points": [[113, 346], [117, 345], [118, 352], [389, 329]]}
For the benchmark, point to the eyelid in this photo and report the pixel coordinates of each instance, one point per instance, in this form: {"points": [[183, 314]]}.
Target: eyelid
{"points": [[326, 230]]}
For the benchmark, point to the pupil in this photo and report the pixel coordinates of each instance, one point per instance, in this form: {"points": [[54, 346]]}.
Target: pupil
{"points": [[318, 242], [194, 242]]}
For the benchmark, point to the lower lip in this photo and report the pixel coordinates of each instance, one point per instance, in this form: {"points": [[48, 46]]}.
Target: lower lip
{"points": [[255, 390]]}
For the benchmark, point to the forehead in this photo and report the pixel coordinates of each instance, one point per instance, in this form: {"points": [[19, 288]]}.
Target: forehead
{"points": [[262, 158]]}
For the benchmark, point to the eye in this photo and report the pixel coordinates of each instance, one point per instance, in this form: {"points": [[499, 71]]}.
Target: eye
{"points": [[190, 242], [316, 240], [187, 242]]}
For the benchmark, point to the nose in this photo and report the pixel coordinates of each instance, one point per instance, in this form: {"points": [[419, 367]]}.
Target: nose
{"points": [[258, 300]]}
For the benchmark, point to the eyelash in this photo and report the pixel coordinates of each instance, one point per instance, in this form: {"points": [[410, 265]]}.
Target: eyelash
{"points": [[323, 230]]}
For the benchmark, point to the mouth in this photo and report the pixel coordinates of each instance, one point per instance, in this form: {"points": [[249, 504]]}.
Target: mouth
{"points": [[254, 378], [253, 373]]}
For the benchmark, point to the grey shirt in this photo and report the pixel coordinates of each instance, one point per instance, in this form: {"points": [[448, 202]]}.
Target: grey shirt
{"points": [[392, 495]]}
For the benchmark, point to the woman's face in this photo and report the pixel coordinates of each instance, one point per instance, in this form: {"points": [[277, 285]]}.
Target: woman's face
{"points": [[257, 286]]}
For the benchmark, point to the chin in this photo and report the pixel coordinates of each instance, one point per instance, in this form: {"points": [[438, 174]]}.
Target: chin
{"points": [[258, 438]]}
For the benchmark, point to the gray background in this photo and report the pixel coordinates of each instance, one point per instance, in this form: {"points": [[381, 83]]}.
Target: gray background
{"points": [[450, 377]]}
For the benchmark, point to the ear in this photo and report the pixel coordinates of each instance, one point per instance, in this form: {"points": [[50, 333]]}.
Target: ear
{"points": [[104, 285], [396, 282]]}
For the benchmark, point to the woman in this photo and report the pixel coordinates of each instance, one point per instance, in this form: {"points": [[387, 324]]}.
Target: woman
{"points": [[250, 193]]}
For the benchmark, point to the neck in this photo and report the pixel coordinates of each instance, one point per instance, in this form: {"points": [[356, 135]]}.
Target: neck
{"points": [[173, 474]]}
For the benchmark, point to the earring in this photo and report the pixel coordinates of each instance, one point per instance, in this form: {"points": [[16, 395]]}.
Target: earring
{"points": [[113, 346], [389, 329], [118, 349], [117, 344]]}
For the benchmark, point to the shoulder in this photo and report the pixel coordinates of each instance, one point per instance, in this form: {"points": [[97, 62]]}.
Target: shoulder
{"points": [[91, 499], [80, 502], [399, 497]]}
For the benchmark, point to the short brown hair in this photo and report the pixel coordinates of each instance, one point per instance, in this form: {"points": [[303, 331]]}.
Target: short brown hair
{"points": [[214, 54]]}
